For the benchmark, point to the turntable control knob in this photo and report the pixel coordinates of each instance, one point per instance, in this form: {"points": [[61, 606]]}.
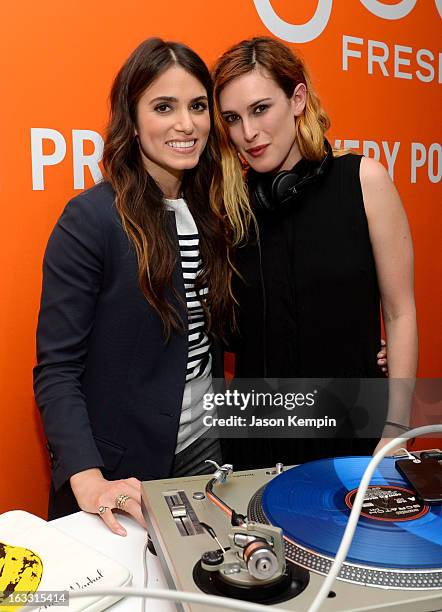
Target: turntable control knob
{"points": [[262, 562], [279, 468], [212, 557]]}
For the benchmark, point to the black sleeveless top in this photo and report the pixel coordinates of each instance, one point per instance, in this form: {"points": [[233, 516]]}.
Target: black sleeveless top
{"points": [[308, 303], [310, 307]]}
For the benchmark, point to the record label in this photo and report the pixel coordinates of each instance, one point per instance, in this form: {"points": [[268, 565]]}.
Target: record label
{"points": [[389, 503]]}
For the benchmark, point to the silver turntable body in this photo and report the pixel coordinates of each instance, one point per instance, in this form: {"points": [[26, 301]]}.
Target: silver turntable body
{"points": [[182, 522]]}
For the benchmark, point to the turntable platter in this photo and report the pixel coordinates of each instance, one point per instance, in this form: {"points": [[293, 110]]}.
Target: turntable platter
{"points": [[398, 540]]}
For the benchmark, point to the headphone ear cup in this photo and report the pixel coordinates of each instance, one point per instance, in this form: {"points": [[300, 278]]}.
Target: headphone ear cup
{"points": [[284, 186], [270, 192]]}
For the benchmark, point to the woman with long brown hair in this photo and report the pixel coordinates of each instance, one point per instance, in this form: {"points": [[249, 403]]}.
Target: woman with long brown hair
{"points": [[322, 241], [135, 291]]}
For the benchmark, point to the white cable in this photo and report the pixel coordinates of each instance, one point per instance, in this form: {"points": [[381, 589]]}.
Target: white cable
{"points": [[357, 506], [234, 604], [145, 572], [214, 601]]}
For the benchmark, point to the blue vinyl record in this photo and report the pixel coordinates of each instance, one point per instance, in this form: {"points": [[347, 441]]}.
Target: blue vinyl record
{"points": [[312, 502]]}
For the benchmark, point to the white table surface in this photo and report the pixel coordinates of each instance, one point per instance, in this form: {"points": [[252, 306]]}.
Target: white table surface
{"points": [[127, 551]]}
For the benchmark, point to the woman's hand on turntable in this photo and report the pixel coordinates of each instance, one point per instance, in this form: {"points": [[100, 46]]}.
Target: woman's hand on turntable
{"points": [[97, 495]]}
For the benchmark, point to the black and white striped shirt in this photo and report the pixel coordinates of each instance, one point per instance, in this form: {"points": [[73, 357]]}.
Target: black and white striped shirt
{"points": [[199, 364], [198, 341]]}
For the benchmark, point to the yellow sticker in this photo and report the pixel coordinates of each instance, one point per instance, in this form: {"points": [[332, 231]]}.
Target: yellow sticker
{"points": [[20, 573]]}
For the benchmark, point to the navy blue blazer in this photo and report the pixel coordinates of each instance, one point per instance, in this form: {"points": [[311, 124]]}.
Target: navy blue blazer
{"points": [[108, 386]]}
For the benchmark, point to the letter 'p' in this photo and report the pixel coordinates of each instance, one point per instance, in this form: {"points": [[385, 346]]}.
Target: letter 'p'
{"points": [[39, 159]]}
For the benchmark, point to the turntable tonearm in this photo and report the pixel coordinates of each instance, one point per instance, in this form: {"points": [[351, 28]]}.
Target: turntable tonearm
{"points": [[206, 544]]}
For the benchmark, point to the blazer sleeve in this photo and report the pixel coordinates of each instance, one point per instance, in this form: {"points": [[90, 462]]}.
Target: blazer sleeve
{"points": [[72, 276]]}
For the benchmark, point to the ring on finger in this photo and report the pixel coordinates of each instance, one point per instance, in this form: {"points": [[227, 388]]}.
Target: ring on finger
{"points": [[102, 510], [121, 500]]}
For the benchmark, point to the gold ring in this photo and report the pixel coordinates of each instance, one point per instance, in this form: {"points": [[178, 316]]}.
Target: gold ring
{"points": [[102, 510], [121, 501]]}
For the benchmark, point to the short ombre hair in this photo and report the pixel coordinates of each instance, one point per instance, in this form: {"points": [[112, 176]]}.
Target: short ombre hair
{"points": [[229, 190]]}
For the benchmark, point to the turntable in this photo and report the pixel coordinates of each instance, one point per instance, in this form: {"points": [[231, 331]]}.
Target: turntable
{"points": [[270, 536]]}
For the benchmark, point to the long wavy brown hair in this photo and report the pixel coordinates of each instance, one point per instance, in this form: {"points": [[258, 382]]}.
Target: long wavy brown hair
{"points": [[140, 201]]}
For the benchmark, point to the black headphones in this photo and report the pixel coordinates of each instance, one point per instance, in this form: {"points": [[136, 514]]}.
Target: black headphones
{"points": [[270, 192]]}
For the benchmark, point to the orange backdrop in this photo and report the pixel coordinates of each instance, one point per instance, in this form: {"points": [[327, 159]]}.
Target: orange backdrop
{"points": [[376, 65]]}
